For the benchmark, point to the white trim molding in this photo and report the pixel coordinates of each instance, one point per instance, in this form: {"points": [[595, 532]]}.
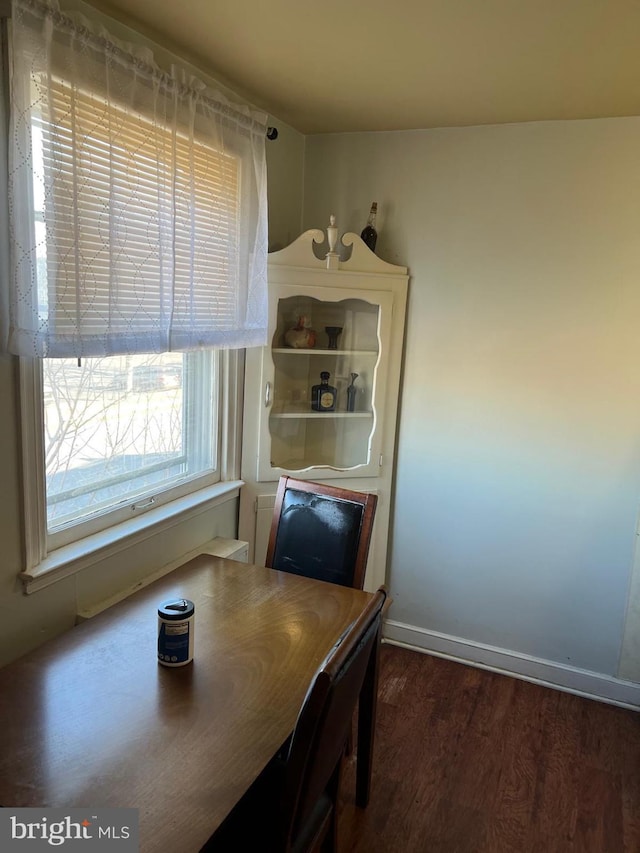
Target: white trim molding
{"points": [[42, 566], [582, 682], [83, 553]]}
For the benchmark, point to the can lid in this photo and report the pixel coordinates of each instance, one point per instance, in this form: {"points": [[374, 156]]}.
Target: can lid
{"points": [[179, 608]]}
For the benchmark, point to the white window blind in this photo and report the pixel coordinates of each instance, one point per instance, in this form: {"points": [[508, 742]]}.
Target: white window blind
{"points": [[145, 223]]}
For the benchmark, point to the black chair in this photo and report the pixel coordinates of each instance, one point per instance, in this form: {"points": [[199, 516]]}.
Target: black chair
{"points": [[321, 531], [292, 806]]}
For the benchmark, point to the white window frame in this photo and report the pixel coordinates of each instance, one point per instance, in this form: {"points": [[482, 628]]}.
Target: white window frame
{"points": [[43, 566], [161, 493]]}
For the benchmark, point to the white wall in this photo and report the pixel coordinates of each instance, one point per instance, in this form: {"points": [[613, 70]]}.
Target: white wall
{"points": [[518, 476]]}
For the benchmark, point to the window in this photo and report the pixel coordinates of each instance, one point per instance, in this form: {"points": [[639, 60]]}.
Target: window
{"points": [[119, 447], [124, 434], [137, 210]]}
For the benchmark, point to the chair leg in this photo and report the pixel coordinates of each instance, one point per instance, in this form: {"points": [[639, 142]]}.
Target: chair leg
{"points": [[366, 727]]}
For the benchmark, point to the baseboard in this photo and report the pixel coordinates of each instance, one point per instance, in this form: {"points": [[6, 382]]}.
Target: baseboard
{"points": [[582, 682]]}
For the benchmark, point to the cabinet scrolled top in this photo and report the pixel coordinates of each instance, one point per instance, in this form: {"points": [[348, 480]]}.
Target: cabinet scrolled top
{"points": [[300, 253]]}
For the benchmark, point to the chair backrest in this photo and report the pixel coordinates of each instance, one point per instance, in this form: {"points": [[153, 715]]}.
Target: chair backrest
{"points": [[321, 531], [324, 723]]}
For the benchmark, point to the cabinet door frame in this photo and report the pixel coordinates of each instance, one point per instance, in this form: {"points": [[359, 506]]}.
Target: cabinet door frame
{"points": [[383, 300]]}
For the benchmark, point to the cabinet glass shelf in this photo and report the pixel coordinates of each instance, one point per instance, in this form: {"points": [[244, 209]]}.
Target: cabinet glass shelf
{"points": [[318, 351], [320, 415]]}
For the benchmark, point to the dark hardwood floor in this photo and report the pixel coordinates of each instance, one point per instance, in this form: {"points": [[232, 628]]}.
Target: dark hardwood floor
{"points": [[468, 761]]}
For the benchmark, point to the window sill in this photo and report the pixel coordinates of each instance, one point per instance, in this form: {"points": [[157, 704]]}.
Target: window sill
{"points": [[86, 552]]}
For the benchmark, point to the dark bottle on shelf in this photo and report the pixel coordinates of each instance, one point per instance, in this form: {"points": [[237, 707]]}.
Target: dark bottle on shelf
{"points": [[323, 396], [351, 393], [369, 234]]}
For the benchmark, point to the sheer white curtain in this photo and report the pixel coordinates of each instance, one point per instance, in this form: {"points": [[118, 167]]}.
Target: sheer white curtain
{"points": [[137, 200]]}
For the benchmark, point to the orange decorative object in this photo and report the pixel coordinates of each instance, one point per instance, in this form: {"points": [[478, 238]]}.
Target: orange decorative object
{"points": [[301, 336]]}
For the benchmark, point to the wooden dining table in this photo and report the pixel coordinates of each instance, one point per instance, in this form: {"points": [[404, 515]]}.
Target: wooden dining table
{"points": [[91, 719]]}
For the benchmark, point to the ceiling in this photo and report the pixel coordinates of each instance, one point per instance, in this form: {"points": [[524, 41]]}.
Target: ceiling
{"points": [[341, 65]]}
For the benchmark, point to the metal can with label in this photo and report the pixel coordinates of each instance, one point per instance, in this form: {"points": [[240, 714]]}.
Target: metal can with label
{"points": [[176, 632]]}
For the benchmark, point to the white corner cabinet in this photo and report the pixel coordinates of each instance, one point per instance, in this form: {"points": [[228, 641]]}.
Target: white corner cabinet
{"points": [[326, 315]]}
